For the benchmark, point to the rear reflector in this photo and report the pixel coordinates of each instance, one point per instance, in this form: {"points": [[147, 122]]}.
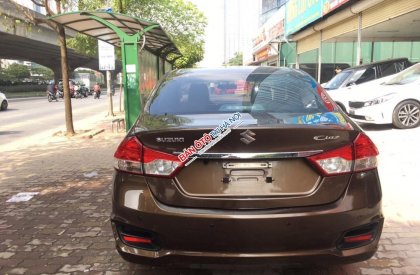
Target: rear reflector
{"points": [[356, 157], [131, 156], [136, 240], [360, 238]]}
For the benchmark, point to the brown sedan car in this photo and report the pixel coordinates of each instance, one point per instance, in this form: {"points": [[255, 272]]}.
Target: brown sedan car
{"points": [[272, 172]]}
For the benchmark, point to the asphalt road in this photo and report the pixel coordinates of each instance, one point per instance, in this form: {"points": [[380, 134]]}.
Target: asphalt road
{"points": [[37, 116]]}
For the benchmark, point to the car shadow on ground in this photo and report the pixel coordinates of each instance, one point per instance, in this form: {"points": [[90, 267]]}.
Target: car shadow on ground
{"points": [[10, 109], [10, 132], [376, 127]]}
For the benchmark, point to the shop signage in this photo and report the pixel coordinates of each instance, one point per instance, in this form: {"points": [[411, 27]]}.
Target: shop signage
{"points": [[300, 13], [273, 28], [330, 5], [262, 54]]}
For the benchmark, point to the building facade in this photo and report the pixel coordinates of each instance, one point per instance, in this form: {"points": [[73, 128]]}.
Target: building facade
{"points": [[265, 44], [350, 32]]}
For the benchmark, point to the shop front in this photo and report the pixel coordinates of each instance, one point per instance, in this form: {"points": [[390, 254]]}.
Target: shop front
{"points": [[351, 32]]}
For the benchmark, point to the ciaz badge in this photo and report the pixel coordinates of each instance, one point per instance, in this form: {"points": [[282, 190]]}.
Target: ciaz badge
{"points": [[323, 137]]}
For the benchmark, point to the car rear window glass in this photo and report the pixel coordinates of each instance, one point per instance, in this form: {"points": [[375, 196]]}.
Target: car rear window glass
{"points": [[388, 68], [278, 93], [337, 80], [368, 75]]}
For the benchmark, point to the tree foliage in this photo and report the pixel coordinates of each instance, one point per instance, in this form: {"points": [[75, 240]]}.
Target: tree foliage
{"points": [[43, 73], [16, 72], [236, 60], [181, 20]]}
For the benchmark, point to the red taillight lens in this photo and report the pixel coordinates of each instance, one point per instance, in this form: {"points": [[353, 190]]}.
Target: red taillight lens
{"points": [[131, 156], [356, 157], [128, 156], [365, 153]]}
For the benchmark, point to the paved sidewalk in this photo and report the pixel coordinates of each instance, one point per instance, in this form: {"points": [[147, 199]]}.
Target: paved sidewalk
{"points": [[65, 228]]}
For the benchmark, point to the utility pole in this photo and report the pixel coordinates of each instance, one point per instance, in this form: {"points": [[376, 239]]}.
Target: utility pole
{"points": [[224, 32], [109, 92], [107, 63]]}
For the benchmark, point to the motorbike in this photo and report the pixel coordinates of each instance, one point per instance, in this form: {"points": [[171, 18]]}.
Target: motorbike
{"points": [[96, 94], [51, 96], [84, 90], [77, 92], [60, 93]]}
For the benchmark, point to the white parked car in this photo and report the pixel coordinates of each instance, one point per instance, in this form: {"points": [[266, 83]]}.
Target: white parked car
{"points": [[342, 96], [3, 102], [396, 100]]}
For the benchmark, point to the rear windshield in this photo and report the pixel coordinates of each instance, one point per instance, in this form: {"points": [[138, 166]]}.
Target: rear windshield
{"points": [[279, 93]]}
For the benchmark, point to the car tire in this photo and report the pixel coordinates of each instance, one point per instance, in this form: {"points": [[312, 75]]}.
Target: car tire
{"points": [[406, 115], [342, 107], [4, 105]]}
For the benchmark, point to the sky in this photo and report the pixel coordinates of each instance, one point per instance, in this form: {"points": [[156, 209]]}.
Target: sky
{"points": [[242, 19], [214, 47]]}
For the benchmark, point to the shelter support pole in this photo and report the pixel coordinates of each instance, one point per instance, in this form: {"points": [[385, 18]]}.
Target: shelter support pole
{"points": [[319, 58], [359, 41], [130, 64]]}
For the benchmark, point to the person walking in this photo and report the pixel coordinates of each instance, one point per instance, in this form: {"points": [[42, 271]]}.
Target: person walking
{"points": [[96, 91]]}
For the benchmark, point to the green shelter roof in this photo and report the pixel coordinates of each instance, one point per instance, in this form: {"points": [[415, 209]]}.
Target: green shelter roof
{"points": [[156, 40]]}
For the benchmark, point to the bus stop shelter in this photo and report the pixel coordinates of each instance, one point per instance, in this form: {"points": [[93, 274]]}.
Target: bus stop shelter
{"points": [[132, 35]]}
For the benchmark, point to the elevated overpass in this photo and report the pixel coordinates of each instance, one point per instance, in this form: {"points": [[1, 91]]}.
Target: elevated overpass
{"points": [[22, 41]]}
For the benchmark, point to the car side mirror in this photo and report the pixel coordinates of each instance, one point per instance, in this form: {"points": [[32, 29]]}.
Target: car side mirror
{"points": [[351, 84]]}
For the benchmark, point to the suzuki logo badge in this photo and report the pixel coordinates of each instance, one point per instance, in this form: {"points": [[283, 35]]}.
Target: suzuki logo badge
{"points": [[247, 137]]}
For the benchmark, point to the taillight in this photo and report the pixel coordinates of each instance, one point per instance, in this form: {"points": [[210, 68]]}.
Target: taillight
{"points": [[365, 153], [159, 164], [356, 157], [128, 156], [131, 156]]}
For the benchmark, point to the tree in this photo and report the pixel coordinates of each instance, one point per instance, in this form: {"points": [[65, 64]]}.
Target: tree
{"points": [[236, 60], [43, 73], [63, 50], [182, 21], [17, 72]]}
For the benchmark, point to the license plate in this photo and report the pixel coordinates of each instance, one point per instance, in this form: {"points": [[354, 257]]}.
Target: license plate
{"points": [[351, 111]]}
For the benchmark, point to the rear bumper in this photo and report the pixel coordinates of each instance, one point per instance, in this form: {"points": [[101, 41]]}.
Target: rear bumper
{"points": [[188, 236]]}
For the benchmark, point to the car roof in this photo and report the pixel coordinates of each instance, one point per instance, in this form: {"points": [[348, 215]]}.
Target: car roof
{"points": [[376, 63], [234, 70]]}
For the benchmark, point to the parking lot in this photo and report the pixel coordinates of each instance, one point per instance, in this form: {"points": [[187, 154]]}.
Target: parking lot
{"points": [[65, 227]]}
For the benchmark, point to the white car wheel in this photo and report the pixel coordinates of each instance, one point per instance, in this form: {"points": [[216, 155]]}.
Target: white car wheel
{"points": [[4, 105], [406, 115]]}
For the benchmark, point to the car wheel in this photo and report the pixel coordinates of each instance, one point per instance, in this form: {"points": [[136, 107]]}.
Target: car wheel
{"points": [[4, 105], [406, 115], [341, 107]]}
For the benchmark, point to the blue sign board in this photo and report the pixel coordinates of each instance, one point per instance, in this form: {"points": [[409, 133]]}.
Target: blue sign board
{"points": [[300, 13]]}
